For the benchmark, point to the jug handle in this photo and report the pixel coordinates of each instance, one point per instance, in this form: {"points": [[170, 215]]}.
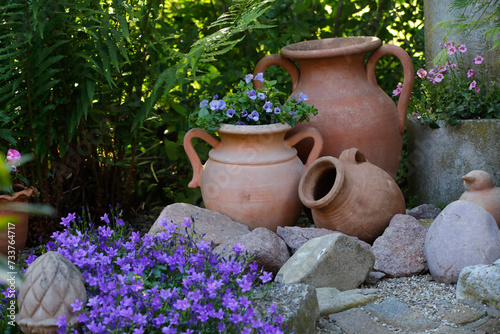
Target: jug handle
{"points": [[308, 132], [352, 155], [193, 156], [404, 98], [276, 59]]}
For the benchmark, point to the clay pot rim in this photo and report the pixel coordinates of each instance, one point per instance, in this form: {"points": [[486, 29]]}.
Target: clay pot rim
{"points": [[306, 187], [18, 195], [328, 47], [253, 129]]}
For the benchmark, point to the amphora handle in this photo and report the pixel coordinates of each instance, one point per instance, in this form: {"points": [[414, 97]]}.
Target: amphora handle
{"points": [[276, 59], [352, 156], [308, 132], [193, 156], [404, 98]]}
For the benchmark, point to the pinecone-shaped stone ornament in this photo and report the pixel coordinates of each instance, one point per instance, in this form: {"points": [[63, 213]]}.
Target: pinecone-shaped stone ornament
{"points": [[51, 284]]}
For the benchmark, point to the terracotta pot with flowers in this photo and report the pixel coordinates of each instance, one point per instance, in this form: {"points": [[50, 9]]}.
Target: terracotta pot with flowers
{"points": [[13, 222], [253, 172], [453, 127]]}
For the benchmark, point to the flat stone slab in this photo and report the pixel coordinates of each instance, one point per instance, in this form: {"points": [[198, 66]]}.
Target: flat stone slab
{"points": [[451, 330], [460, 314], [396, 313], [332, 300], [357, 321]]}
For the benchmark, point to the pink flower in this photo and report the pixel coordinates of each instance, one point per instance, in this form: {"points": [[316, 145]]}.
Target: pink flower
{"points": [[472, 85], [477, 89], [470, 73], [478, 60], [462, 48], [439, 77], [13, 156], [421, 73], [449, 45], [398, 90], [451, 50]]}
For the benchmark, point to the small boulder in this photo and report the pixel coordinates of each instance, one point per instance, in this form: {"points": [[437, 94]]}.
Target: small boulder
{"points": [[269, 250], [399, 251], [295, 236], [333, 260], [216, 227], [480, 283], [463, 235], [424, 211], [331, 300], [296, 303]]}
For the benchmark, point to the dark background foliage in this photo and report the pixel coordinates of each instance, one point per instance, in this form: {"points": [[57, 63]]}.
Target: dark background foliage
{"points": [[99, 91]]}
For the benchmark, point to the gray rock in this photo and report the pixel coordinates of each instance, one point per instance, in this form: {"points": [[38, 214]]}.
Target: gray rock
{"points": [[462, 235], [399, 251], [480, 283], [396, 313], [331, 300], [374, 277], [216, 227], [269, 250], [357, 321], [297, 303], [460, 314], [334, 260], [295, 236], [424, 211]]}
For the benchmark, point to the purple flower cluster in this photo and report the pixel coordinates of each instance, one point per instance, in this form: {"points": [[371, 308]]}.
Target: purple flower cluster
{"points": [[171, 282]]}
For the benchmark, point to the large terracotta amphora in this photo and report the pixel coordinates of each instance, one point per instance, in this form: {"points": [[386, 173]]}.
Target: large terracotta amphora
{"points": [[353, 111], [351, 195], [252, 174]]}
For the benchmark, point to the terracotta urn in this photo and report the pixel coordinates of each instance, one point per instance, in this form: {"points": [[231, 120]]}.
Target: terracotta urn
{"points": [[253, 172], [51, 284], [480, 190], [13, 236], [351, 195], [353, 111]]}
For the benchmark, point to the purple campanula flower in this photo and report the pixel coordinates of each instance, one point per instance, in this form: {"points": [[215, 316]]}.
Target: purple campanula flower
{"points": [[252, 95], [254, 116], [240, 123], [302, 97], [203, 103], [277, 110], [248, 78], [244, 113], [261, 96], [230, 113], [259, 77]]}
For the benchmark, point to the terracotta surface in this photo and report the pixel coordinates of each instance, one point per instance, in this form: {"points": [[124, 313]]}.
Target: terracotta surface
{"points": [[252, 174], [352, 110], [50, 285], [351, 195], [20, 230], [480, 190]]}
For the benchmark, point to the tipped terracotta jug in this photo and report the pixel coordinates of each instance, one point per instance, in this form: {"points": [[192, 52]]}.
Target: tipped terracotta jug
{"points": [[480, 190], [351, 195], [353, 111], [252, 174]]}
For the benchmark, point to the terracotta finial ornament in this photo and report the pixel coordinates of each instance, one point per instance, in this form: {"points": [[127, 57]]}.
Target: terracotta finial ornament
{"points": [[51, 284], [480, 190]]}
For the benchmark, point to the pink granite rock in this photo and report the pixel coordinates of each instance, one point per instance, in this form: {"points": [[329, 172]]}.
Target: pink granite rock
{"points": [[463, 235], [269, 249], [399, 251], [215, 226], [295, 236]]}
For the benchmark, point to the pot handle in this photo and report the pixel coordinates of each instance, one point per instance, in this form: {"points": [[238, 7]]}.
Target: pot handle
{"points": [[193, 156], [404, 98], [308, 132], [353, 156], [276, 59]]}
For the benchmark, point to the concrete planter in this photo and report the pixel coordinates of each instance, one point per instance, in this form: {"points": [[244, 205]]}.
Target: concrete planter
{"points": [[438, 158]]}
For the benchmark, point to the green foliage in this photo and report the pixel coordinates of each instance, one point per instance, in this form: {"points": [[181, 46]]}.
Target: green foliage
{"points": [[249, 106], [100, 90], [473, 14]]}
